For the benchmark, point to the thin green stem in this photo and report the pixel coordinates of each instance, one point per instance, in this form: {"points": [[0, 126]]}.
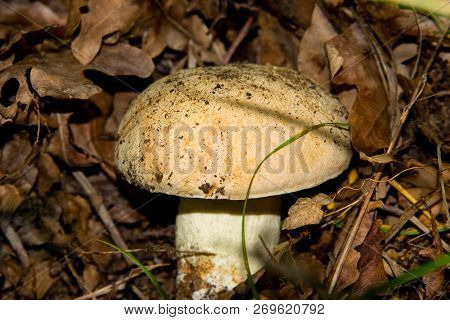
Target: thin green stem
{"points": [[292, 139], [163, 293]]}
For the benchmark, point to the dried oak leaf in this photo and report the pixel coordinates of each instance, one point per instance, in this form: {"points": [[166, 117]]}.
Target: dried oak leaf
{"points": [[74, 16], [28, 16], [369, 116], [123, 59], [312, 58], [371, 267], [61, 146], [170, 27], [60, 76], [304, 212], [102, 18], [14, 90], [350, 272]]}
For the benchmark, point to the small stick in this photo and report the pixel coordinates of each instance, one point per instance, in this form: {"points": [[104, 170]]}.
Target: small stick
{"points": [[237, 41], [379, 168], [17, 245], [76, 275], [97, 203], [119, 284], [405, 217]]}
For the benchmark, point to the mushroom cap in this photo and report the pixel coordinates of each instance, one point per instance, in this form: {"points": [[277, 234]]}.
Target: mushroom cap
{"points": [[200, 133]]}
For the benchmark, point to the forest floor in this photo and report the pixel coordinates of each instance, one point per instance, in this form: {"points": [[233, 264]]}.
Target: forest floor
{"points": [[69, 70]]}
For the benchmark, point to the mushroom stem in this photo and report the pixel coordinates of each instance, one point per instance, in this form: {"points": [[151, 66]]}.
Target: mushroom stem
{"points": [[208, 240]]}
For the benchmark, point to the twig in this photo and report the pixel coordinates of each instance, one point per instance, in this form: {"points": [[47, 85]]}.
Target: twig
{"points": [[76, 275], [405, 217], [119, 284], [379, 168], [419, 50], [16, 244], [97, 203], [237, 41]]}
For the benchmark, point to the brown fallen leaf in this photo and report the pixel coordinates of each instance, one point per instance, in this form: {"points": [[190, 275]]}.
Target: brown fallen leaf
{"points": [[370, 265], [49, 173], [60, 76], [312, 58], [379, 158], [10, 199], [74, 16], [102, 18], [210, 9], [350, 272], [304, 212], [28, 16], [91, 276], [123, 59], [275, 45], [369, 116], [60, 145], [295, 13], [169, 26]]}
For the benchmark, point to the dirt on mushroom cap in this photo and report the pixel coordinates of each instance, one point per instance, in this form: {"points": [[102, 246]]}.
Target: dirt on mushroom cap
{"points": [[201, 133]]}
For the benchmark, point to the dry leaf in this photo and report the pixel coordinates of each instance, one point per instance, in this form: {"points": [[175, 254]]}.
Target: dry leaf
{"points": [[380, 158], [371, 266], [304, 212], [74, 16], [10, 198], [369, 117], [350, 272], [102, 18], [49, 173], [296, 13], [312, 59], [60, 76], [28, 16], [276, 45], [123, 59]]}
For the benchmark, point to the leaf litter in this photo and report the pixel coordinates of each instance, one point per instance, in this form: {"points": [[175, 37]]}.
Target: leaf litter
{"points": [[68, 71]]}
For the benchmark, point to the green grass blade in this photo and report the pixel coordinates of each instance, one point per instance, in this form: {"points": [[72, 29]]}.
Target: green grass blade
{"points": [[292, 139], [147, 272], [411, 275]]}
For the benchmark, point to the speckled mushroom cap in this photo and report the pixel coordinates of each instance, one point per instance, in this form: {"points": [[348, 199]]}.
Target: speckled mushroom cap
{"points": [[200, 133]]}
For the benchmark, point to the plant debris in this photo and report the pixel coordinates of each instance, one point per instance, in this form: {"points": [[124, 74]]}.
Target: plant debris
{"points": [[69, 70]]}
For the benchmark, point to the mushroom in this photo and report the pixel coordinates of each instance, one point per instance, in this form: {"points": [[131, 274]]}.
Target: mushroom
{"points": [[200, 133]]}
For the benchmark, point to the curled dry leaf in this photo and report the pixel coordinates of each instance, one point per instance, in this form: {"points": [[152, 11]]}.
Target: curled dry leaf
{"points": [[304, 212], [74, 16], [103, 17], [380, 158], [369, 116], [58, 75]]}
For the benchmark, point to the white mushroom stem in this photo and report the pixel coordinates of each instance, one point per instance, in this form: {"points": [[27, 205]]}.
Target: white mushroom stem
{"points": [[214, 226]]}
